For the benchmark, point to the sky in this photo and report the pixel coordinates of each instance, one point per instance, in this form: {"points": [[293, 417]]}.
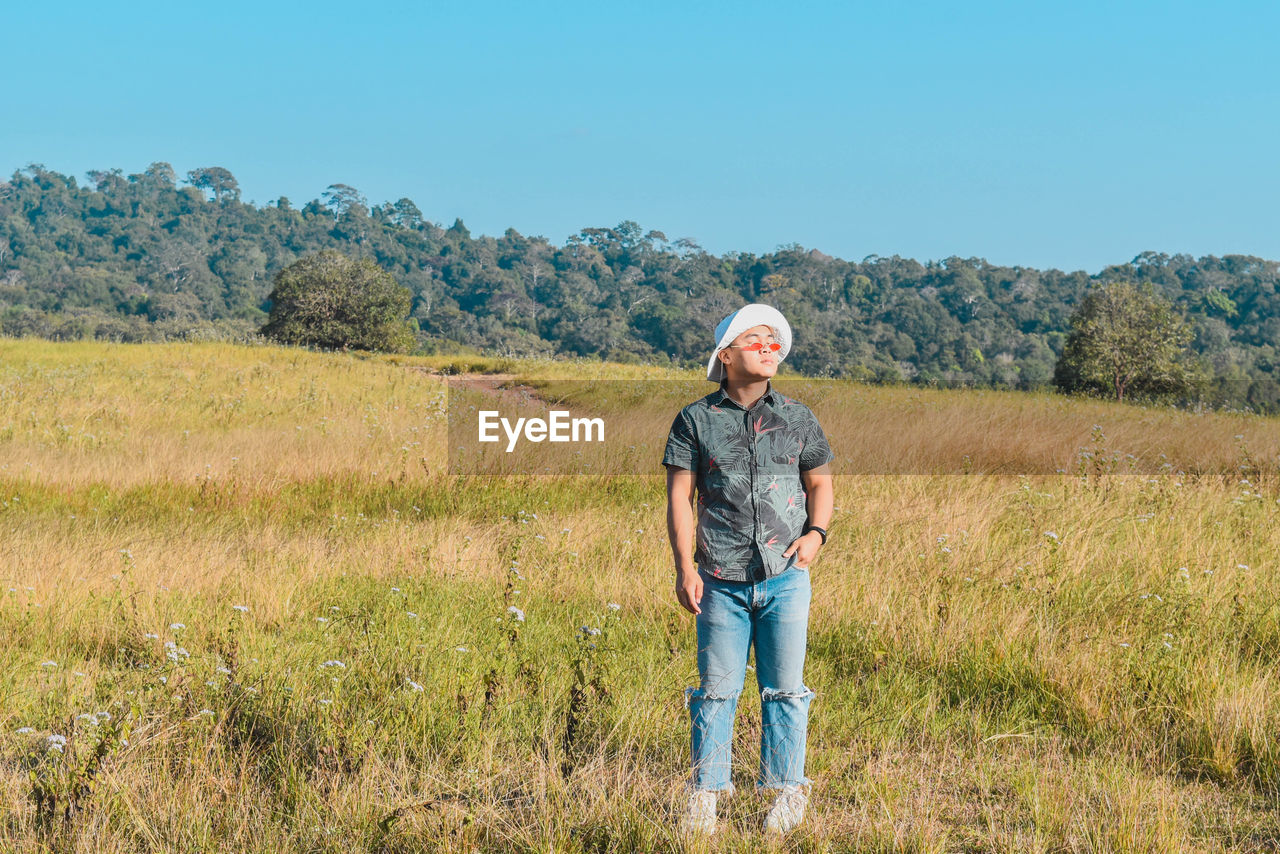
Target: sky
{"points": [[1042, 134]]}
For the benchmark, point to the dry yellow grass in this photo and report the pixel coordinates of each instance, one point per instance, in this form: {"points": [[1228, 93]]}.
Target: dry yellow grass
{"points": [[1077, 662]]}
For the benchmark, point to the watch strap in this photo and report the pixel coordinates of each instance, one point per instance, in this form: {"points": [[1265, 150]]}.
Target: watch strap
{"points": [[822, 532]]}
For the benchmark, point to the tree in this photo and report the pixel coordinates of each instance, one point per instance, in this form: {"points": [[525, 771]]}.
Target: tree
{"points": [[1126, 340], [158, 176], [342, 198], [106, 180], [216, 180], [405, 214], [331, 301]]}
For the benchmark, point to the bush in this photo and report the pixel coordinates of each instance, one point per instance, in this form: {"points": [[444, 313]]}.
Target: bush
{"points": [[331, 301]]}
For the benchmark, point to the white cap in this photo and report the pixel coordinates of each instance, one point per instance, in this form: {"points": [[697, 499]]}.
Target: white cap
{"points": [[748, 317]]}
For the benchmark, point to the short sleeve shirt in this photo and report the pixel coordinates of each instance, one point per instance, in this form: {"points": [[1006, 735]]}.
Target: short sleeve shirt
{"points": [[747, 462]]}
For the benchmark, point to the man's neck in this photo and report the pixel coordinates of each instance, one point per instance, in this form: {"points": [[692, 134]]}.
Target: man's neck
{"points": [[745, 392]]}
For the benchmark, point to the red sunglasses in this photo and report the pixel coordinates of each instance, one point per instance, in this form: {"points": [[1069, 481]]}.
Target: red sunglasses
{"points": [[756, 346]]}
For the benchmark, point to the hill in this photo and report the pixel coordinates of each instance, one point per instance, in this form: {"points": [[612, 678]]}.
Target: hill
{"points": [[141, 257]]}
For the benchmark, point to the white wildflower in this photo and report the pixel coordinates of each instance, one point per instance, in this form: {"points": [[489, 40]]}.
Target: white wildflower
{"points": [[333, 662], [243, 609], [516, 613], [414, 685]]}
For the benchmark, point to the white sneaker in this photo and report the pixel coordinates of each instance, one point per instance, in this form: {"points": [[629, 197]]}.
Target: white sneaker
{"points": [[787, 810], [700, 818]]}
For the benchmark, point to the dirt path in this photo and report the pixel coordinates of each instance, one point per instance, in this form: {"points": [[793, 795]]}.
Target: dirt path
{"points": [[496, 385]]}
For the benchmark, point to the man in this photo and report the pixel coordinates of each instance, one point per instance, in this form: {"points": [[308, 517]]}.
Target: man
{"points": [[760, 463]]}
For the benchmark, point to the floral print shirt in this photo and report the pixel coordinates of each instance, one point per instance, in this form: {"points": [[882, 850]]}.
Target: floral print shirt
{"points": [[747, 462]]}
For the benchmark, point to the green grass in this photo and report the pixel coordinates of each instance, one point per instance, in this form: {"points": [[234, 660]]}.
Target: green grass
{"points": [[1000, 663]]}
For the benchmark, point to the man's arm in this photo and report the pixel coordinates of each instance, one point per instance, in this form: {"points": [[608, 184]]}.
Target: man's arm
{"points": [[819, 500], [680, 526], [820, 495]]}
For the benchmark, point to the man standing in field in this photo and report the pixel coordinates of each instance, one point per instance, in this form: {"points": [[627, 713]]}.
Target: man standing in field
{"points": [[760, 463]]}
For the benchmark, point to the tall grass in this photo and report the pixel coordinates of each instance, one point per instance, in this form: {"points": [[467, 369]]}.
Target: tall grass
{"points": [[313, 638]]}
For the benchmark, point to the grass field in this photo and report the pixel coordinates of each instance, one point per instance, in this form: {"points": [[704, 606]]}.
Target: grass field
{"points": [[245, 607]]}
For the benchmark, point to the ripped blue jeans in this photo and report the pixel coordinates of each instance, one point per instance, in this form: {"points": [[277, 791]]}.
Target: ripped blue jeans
{"points": [[774, 616]]}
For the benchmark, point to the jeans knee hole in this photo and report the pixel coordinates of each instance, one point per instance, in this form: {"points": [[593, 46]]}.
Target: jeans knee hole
{"points": [[769, 694]]}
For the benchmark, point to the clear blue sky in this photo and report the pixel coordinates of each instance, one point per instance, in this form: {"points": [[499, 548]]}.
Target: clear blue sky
{"points": [[1070, 135]]}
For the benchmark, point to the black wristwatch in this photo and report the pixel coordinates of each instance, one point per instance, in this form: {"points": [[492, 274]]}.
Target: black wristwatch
{"points": [[821, 532]]}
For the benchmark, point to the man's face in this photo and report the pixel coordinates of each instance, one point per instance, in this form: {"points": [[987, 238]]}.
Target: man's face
{"points": [[740, 363]]}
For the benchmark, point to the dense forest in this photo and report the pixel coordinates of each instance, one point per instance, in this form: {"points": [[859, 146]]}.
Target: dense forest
{"points": [[150, 256]]}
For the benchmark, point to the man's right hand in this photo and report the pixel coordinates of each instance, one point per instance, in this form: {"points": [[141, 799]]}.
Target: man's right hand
{"points": [[689, 589]]}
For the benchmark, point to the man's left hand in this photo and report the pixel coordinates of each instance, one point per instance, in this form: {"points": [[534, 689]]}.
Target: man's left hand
{"points": [[806, 548]]}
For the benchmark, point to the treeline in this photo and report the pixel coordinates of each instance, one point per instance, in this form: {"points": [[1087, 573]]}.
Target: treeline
{"points": [[146, 256]]}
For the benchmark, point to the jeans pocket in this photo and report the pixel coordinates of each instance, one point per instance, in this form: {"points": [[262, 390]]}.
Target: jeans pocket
{"points": [[792, 564]]}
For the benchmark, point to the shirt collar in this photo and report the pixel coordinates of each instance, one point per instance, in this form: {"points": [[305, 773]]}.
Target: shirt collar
{"points": [[722, 395]]}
